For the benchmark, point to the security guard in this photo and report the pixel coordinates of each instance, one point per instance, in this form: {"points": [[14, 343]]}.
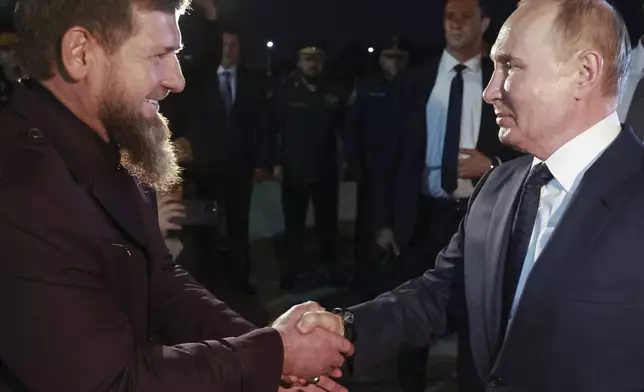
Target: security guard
{"points": [[310, 114], [369, 130]]}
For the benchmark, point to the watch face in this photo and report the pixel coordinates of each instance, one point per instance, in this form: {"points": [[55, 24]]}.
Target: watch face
{"points": [[348, 317]]}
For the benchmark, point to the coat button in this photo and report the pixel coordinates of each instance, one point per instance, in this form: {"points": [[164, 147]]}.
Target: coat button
{"points": [[496, 382], [35, 133]]}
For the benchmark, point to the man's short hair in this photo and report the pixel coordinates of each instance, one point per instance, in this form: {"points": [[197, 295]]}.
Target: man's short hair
{"points": [[230, 30], [41, 25], [594, 24]]}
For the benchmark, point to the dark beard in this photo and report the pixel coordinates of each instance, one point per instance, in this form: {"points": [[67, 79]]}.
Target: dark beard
{"points": [[147, 152]]}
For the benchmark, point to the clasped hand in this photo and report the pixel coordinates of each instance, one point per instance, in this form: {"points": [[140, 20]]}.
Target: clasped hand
{"points": [[314, 346]]}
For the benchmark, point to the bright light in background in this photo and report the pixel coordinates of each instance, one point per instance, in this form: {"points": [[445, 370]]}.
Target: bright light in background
{"points": [[370, 50], [270, 44]]}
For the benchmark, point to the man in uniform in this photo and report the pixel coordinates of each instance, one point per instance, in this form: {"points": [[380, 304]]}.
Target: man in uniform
{"points": [[370, 130], [309, 118]]}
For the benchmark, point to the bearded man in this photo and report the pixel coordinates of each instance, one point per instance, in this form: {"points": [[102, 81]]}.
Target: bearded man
{"points": [[91, 300]]}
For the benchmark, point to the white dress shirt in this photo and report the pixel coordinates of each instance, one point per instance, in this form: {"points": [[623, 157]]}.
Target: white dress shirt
{"points": [[437, 107], [568, 165], [233, 79], [635, 75]]}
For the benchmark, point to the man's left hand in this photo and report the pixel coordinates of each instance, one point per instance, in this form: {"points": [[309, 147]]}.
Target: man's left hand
{"points": [[474, 166]]}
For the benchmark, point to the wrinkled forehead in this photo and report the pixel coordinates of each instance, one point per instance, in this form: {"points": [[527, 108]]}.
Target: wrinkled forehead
{"points": [[527, 33]]}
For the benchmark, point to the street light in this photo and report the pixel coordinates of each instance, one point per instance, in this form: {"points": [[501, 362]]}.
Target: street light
{"points": [[370, 50], [269, 46]]}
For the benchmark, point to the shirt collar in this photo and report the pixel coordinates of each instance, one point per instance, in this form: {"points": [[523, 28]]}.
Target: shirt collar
{"points": [[569, 163], [448, 62], [232, 70]]}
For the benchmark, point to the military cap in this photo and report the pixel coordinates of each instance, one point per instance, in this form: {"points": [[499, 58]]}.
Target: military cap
{"points": [[311, 49], [395, 47]]}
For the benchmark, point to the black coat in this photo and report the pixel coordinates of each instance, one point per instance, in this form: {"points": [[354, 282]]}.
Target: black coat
{"points": [[370, 126], [234, 143], [309, 124], [91, 298]]}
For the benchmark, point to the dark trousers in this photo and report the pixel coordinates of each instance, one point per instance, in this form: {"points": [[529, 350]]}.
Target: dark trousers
{"points": [[437, 222], [295, 202], [232, 192], [373, 273]]}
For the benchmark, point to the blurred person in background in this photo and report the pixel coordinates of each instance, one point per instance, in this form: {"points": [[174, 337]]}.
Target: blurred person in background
{"points": [[224, 121], [631, 107], [447, 139], [9, 70], [310, 112], [370, 130]]}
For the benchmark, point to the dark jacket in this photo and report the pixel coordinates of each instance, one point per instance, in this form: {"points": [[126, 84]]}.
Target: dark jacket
{"points": [[309, 124], [235, 142], [578, 326], [91, 298], [371, 125]]}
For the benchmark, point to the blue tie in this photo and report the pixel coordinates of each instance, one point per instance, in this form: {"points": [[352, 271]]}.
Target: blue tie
{"points": [[227, 91], [449, 169], [522, 228]]}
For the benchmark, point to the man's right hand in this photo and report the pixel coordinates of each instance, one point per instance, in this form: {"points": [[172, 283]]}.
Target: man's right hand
{"points": [[385, 239], [169, 208], [318, 353]]}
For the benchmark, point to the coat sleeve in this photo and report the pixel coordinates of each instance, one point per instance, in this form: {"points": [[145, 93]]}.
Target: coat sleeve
{"points": [[62, 329], [416, 312]]}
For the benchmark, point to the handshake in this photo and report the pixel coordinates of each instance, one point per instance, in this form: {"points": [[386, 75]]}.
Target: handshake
{"points": [[314, 348]]}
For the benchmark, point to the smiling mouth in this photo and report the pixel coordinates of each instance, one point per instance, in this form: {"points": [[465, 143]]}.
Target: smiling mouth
{"points": [[152, 102]]}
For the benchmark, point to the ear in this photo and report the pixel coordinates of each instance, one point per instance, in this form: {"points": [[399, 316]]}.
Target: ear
{"points": [[77, 53], [485, 24], [590, 68]]}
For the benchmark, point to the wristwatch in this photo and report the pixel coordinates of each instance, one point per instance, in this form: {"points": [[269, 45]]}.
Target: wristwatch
{"points": [[348, 323]]}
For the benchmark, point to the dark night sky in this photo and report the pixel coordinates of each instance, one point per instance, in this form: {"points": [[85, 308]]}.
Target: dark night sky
{"points": [[289, 22]]}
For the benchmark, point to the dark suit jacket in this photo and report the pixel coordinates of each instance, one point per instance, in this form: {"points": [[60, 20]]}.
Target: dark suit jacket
{"points": [[579, 324], [223, 143], [91, 300], [400, 185]]}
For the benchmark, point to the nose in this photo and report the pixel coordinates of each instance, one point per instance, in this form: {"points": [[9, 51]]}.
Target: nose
{"points": [[493, 90], [173, 77]]}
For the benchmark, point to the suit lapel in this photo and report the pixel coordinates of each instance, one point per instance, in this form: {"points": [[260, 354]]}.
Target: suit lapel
{"points": [[603, 189], [498, 238], [429, 78]]}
